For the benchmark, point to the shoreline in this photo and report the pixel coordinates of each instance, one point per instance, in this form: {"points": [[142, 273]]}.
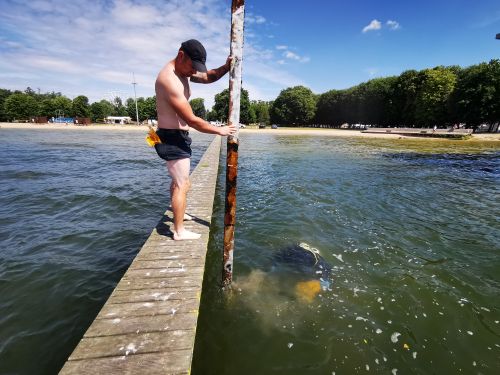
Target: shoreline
{"points": [[493, 137]]}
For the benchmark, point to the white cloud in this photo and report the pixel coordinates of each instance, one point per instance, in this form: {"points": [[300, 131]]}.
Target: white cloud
{"points": [[293, 56], [251, 19], [92, 47], [374, 25], [372, 72], [393, 25], [281, 47]]}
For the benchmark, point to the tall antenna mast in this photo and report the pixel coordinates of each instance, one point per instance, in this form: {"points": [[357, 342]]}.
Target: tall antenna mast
{"points": [[135, 96]]}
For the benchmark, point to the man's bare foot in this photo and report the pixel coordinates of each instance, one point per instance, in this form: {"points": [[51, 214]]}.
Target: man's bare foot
{"points": [[186, 235], [187, 217]]}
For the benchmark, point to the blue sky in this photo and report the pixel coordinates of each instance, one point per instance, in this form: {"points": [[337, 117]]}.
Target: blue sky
{"points": [[92, 47]]}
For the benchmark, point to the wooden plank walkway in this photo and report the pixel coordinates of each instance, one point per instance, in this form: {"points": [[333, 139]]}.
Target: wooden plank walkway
{"points": [[148, 324], [423, 132]]}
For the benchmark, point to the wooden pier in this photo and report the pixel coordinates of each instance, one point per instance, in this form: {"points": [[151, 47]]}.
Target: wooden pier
{"points": [[424, 132], [148, 324]]}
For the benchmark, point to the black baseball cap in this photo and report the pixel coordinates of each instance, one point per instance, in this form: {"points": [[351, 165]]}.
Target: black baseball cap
{"points": [[196, 52]]}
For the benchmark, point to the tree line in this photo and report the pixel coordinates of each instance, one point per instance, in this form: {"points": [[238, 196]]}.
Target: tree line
{"points": [[24, 105], [439, 96]]}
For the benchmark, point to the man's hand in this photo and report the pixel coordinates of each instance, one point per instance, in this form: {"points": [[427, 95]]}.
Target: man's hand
{"points": [[227, 130], [228, 63]]}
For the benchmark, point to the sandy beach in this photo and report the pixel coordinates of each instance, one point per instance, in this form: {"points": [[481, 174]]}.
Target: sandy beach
{"points": [[280, 131]]}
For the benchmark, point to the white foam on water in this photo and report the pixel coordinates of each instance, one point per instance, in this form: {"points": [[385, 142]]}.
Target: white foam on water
{"points": [[339, 257], [395, 336]]}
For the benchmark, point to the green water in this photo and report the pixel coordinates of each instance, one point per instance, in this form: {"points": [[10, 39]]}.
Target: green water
{"points": [[411, 231]]}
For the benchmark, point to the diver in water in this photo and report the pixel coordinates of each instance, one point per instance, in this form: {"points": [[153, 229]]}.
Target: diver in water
{"points": [[310, 268]]}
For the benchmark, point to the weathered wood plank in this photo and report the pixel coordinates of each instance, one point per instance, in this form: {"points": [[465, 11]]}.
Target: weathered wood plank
{"points": [[121, 325], [167, 263], [157, 255], [133, 344], [158, 283], [175, 363], [148, 308], [174, 279], [152, 295]]}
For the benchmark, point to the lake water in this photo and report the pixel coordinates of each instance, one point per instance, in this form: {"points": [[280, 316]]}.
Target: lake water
{"points": [[410, 232], [75, 208]]}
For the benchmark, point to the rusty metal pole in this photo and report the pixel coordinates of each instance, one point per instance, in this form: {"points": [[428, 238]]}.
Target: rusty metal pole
{"points": [[237, 22]]}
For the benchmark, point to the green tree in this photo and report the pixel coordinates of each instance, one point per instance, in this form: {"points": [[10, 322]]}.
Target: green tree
{"points": [[130, 105], [432, 102], [476, 98], [100, 110], [29, 91], [198, 107], [119, 108], [252, 117], [212, 116], [4, 94], [145, 107], [331, 108], [81, 106], [374, 101], [150, 108], [20, 107], [261, 111], [403, 100], [221, 106], [47, 107], [294, 106], [62, 106]]}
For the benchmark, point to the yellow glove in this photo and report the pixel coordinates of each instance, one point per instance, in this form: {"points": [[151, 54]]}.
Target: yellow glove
{"points": [[152, 138]]}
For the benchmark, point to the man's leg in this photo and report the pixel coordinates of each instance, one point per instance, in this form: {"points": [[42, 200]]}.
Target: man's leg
{"points": [[179, 171]]}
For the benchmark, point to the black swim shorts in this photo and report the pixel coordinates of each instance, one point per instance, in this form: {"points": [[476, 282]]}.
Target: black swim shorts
{"points": [[175, 144]]}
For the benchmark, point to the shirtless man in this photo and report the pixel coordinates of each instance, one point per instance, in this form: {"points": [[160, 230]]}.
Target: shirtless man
{"points": [[175, 116]]}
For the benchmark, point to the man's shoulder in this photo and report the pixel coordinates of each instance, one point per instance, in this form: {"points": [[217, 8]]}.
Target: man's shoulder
{"points": [[168, 78], [166, 84]]}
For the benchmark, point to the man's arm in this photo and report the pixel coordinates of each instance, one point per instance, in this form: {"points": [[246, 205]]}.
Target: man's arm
{"points": [[212, 75], [181, 106]]}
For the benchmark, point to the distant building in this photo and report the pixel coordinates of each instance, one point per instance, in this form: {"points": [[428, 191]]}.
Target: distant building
{"points": [[40, 120], [83, 121], [118, 120]]}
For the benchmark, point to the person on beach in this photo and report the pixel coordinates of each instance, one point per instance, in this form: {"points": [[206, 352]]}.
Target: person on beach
{"points": [[175, 116]]}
